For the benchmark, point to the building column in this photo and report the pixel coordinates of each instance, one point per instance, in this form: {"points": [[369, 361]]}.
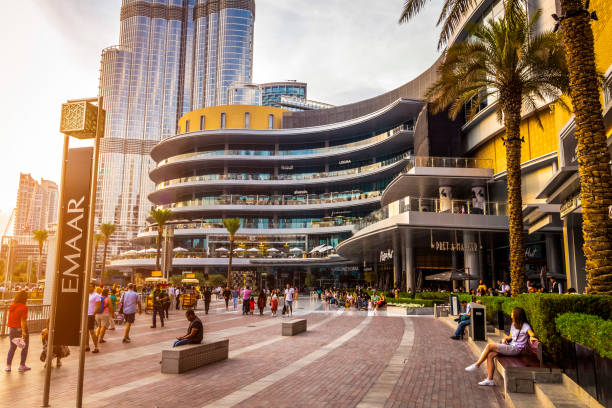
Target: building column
{"points": [[471, 259], [396, 259], [409, 261], [574, 256], [553, 255], [455, 263]]}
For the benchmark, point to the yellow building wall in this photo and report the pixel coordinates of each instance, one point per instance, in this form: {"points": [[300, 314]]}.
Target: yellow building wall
{"points": [[539, 141], [234, 117], [602, 33]]}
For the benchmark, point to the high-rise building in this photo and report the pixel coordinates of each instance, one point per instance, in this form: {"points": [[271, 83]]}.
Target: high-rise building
{"points": [[272, 92], [173, 56], [36, 205]]}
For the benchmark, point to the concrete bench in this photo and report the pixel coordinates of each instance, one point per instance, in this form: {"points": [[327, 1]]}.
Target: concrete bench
{"points": [[177, 360], [293, 327]]}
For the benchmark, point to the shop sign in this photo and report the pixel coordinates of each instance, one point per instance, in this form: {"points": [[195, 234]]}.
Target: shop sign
{"points": [[300, 192], [287, 167], [570, 205], [347, 161], [190, 276], [385, 255], [156, 274], [455, 246]]}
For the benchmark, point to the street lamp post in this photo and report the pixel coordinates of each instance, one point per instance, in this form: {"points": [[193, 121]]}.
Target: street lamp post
{"points": [[81, 128]]}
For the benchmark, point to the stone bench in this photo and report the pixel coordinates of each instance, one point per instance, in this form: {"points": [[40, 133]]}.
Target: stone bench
{"points": [[177, 360], [293, 327]]}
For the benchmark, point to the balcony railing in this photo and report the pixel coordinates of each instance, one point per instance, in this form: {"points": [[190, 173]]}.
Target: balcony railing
{"points": [[298, 152], [435, 205], [337, 221], [297, 176], [274, 200], [448, 162]]}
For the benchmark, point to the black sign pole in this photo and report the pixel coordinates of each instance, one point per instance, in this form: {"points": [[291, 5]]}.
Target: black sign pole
{"points": [[60, 222], [88, 251]]}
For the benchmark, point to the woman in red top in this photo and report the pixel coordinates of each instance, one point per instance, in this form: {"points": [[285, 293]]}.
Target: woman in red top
{"points": [[18, 328]]}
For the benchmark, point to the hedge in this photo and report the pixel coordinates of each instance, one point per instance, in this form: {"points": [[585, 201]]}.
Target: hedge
{"points": [[590, 331], [542, 310]]}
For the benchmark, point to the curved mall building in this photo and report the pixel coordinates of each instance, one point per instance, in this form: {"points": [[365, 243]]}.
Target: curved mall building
{"points": [[381, 190]]}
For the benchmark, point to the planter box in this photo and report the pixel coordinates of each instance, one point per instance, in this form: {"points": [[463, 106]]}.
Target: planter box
{"points": [[603, 376], [409, 311], [585, 369]]}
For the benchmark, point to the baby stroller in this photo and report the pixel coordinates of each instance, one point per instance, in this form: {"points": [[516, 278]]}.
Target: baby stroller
{"points": [[119, 318]]}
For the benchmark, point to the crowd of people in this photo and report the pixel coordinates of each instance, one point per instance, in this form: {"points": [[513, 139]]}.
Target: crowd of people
{"points": [[359, 299]]}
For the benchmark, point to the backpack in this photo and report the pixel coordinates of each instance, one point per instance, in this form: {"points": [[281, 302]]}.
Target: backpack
{"points": [[102, 301]]}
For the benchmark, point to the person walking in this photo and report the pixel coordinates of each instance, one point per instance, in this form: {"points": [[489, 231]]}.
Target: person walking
{"points": [[177, 296], [91, 317], [113, 299], [227, 293], [261, 301], [246, 297], [207, 297], [129, 302], [289, 292], [18, 330], [166, 304], [274, 302], [159, 297], [235, 297], [104, 314]]}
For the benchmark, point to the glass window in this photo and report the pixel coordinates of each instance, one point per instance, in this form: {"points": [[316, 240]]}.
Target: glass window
{"points": [[223, 121], [202, 122], [186, 126], [247, 120], [270, 121]]}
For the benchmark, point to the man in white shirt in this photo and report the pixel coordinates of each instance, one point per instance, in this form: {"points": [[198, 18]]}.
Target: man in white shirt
{"points": [[289, 291], [94, 299]]}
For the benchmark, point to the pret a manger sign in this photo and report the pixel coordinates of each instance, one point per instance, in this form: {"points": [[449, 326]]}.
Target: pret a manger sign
{"points": [[71, 273]]}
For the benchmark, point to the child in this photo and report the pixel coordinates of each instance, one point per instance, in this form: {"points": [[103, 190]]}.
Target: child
{"points": [[252, 304]]}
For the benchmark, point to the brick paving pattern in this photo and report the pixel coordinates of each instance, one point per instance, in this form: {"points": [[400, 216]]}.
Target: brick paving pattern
{"points": [[129, 374]]}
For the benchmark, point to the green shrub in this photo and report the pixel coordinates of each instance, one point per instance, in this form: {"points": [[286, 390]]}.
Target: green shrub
{"points": [[587, 330], [542, 310]]}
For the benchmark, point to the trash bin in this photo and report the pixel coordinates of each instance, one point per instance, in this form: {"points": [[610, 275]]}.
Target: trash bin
{"points": [[455, 306], [478, 322]]}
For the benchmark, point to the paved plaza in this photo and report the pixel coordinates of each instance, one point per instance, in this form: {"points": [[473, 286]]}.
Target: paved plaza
{"points": [[345, 359]]}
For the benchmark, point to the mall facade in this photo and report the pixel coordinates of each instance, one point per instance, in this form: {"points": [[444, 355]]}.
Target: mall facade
{"points": [[381, 190]]}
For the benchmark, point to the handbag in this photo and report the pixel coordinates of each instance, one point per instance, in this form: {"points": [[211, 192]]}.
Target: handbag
{"points": [[284, 309]]}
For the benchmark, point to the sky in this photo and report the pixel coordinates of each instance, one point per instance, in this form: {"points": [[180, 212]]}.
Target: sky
{"points": [[346, 50]]}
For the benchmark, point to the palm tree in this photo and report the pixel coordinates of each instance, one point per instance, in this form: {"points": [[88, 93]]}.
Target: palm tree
{"points": [[593, 155], [106, 230], [506, 59], [232, 225], [161, 217], [40, 236], [98, 239]]}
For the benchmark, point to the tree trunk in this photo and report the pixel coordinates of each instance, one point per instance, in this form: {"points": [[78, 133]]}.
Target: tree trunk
{"points": [[229, 262], [159, 242], [95, 259], [103, 270], [593, 155], [512, 102]]}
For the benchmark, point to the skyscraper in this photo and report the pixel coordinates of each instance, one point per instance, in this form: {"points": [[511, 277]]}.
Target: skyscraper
{"points": [[173, 56], [36, 206]]}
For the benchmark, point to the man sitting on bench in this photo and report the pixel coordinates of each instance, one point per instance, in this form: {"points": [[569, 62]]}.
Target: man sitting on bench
{"points": [[195, 331]]}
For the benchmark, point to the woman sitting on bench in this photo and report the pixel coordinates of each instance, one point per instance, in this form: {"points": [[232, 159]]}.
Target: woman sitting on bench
{"points": [[512, 345]]}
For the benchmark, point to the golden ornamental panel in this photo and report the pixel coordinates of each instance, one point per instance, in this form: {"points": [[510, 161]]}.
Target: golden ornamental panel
{"points": [[79, 119]]}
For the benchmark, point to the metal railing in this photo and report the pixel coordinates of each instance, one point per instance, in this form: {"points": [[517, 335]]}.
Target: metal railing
{"points": [[448, 162], [36, 313], [274, 200], [298, 152], [298, 176], [435, 205]]}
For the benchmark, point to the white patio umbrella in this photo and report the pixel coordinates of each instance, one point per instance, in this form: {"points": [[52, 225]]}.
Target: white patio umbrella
{"points": [[252, 250], [295, 250], [316, 249], [180, 249], [221, 249], [142, 251], [151, 251], [326, 248], [238, 249], [272, 250]]}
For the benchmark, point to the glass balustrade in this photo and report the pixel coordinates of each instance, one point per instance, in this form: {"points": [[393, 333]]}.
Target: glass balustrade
{"points": [[435, 205], [297, 176], [258, 199], [448, 162], [297, 152]]}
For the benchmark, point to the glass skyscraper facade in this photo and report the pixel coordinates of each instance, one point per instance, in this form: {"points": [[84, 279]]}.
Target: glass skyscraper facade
{"points": [[272, 92], [173, 55]]}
